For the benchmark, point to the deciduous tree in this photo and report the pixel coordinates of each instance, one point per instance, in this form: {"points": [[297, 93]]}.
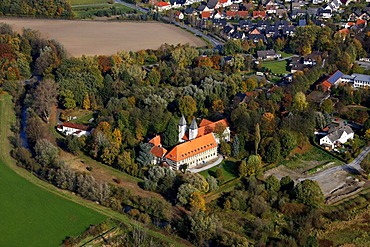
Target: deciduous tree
{"points": [[45, 97]]}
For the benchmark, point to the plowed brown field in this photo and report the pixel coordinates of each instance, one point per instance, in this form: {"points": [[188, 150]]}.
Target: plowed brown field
{"points": [[106, 38]]}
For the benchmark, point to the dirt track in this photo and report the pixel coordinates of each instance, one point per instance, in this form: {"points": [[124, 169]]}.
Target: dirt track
{"points": [[106, 38]]}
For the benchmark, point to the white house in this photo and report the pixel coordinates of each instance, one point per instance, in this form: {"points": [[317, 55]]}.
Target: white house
{"points": [[78, 130], [341, 135], [162, 6]]}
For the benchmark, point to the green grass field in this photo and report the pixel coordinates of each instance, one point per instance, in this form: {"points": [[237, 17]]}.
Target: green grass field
{"points": [[30, 215], [284, 54], [104, 9], [87, 2], [276, 67], [228, 170], [315, 154]]}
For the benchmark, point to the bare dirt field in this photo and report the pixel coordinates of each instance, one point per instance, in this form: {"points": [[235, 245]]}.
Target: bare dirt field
{"points": [[106, 38]]}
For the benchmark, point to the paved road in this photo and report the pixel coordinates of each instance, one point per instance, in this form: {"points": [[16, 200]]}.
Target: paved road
{"points": [[353, 167], [195, 31], [217, 162]]}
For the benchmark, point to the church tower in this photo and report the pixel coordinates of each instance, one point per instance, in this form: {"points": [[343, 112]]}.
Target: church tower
{"points": [[193, 130], [182, 128]]}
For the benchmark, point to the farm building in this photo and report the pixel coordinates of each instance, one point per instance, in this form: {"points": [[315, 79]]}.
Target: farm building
{"points": [[78, 130]]}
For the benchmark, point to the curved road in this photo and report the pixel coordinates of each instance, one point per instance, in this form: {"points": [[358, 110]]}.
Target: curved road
{"points": [[353, 167], [195, 31]]}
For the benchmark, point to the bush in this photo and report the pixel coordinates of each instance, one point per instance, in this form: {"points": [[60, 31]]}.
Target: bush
{"points": [[144, 218]]}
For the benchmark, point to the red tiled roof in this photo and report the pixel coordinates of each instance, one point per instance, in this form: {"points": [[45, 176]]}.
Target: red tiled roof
{"points": [[204, 122], [222, 1], [326, 85], [158, 151], [191, 148], [243, 13], [156, 141], [344, 31], [231, 13], [206, 14], [360, 22], [259, 13], [76, 126], [162, 4], [255, 31]]}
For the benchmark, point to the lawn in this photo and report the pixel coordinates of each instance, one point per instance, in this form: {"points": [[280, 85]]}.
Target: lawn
{"points": [[104, 9], [229, 171], [284, 54], [30, 215], [276, 67], [313, 157], [87, 2]]}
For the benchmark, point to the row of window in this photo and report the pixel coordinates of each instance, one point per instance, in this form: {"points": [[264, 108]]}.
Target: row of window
{"points": [[199, 149]]}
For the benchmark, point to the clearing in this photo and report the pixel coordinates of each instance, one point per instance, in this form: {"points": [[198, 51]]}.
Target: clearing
{"points": [[30, 215], [276, 66], [106, 38]]}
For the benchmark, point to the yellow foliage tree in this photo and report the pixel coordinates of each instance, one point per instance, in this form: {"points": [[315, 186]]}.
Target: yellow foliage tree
{"points": [[86, 102], [104, 127], [218, 106], [197, 201], [117, 136]]}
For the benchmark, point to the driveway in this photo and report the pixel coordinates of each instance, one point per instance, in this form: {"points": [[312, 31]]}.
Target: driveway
{"points": [[208, 166]]}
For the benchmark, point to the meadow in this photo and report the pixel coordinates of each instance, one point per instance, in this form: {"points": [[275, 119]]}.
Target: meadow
{"points": [[88, 2], [30, 215]]}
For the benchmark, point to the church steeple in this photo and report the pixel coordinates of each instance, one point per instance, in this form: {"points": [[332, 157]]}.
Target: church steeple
{"points": [[182, 128], [193, 130]]}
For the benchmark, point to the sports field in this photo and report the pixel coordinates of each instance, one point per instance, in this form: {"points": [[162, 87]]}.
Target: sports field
{"points": [[30, 215], [106, 38]]}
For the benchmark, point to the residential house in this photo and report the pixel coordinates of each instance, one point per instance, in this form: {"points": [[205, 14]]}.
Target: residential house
{"points": [[205, 15], [219, 23], [162, 6], [337, 137], [152, 2], [234, 7], [324, 13], [296, 13], [335, 5], [268, 55], [179, 15], [74, 129], [272, 7], [177, 3], [354, 15], [259, 14], [317, 1]]}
